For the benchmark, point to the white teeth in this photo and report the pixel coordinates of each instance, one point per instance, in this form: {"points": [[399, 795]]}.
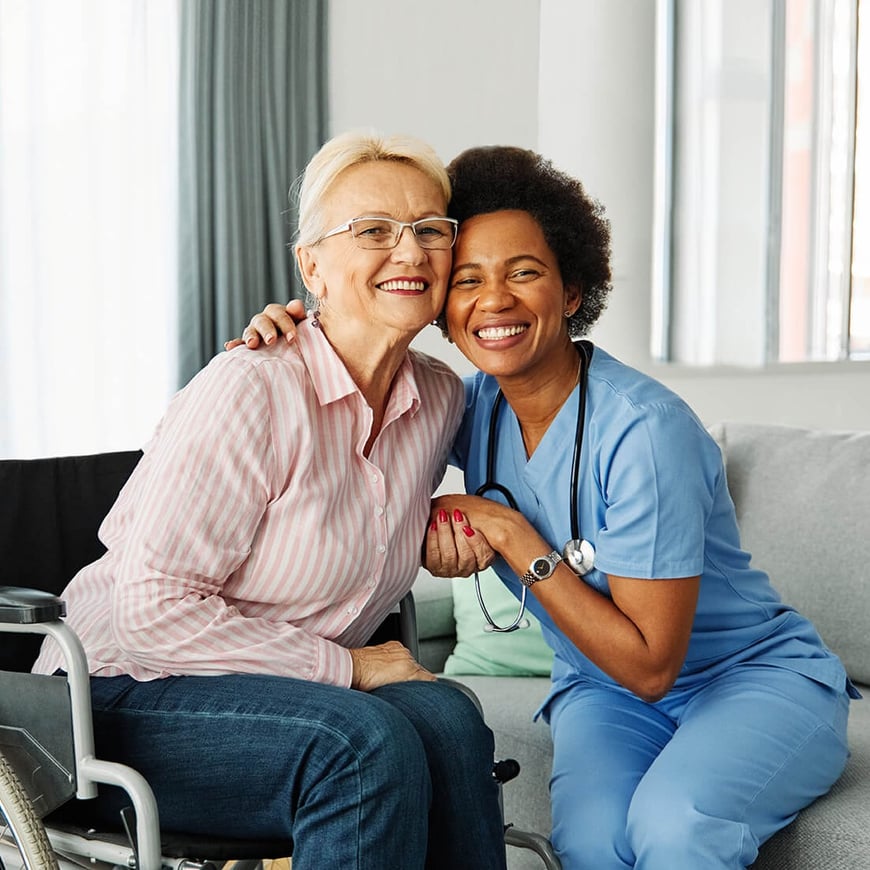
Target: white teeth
{"points": [[403, 285], [500, 332]]}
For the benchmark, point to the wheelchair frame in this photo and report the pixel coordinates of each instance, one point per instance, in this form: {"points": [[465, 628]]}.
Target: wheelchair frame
{"points": [[144, 852], [91, 771]]}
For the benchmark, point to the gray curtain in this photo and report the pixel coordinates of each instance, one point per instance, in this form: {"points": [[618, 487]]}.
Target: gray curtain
{"points": [[252, 112]]}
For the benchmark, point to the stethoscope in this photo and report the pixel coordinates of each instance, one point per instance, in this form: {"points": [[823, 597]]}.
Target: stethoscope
{"points": [[578, 554]]}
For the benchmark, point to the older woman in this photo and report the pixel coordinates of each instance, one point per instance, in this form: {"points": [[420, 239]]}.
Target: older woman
{"points": [[693, 713], [249, 564]]}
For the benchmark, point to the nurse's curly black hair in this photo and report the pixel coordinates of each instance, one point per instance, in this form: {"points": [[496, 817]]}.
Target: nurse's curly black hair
{"points": [[498, 177]]}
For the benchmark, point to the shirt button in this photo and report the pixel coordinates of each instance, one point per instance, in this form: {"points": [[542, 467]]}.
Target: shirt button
{"points": [[382, 548], [379, 511], [352, 610], [375, 477]]}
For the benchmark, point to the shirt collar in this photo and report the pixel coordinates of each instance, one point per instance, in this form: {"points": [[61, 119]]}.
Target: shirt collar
{"points": [[333, 382]]}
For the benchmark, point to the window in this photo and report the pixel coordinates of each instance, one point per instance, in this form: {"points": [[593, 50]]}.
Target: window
{"points": [[764, 189], [88, 188]]}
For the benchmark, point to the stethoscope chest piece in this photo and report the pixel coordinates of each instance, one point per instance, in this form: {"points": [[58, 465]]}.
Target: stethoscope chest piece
{"points": [[579, 556]]}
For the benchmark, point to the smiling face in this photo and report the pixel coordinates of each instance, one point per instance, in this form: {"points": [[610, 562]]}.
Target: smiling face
{"points": [[400, 289], [506, 309]]}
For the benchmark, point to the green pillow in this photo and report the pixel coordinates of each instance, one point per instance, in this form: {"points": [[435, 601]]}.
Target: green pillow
{"points": [[492, 653]]}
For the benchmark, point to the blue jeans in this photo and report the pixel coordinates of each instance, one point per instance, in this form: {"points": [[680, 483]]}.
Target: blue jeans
{"points": [[400, 777]]}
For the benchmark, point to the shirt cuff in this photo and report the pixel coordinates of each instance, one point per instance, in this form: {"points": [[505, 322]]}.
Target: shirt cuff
{"points": [[333, 664]]}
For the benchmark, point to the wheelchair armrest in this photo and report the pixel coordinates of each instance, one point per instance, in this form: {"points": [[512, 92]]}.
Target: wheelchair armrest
{"points": [[22, 606], [408, 625], [31, 611]]}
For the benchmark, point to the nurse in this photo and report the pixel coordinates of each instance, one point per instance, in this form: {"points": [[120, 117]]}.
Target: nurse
{"points": [[693, 713]]}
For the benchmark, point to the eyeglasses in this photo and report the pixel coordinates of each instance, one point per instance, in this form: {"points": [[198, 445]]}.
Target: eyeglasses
{"points": [[383, 233]]}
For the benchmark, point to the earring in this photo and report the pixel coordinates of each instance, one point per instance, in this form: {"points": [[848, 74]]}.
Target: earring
{"points": [[315, 316], [568, 313]]}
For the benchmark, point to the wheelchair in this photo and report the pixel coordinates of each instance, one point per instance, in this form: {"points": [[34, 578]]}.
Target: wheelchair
{"points": [[51, 511]]}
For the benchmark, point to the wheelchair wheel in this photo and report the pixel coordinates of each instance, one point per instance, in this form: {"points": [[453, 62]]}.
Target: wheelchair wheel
{"points": [[20, 827]]}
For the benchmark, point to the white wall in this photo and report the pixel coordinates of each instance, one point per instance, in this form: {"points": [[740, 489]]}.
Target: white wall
{"points": [[455, 72], [574, 79], [597, 101]]}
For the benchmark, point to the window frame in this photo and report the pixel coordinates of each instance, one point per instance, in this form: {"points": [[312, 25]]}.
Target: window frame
{"points": [[764, 349]]}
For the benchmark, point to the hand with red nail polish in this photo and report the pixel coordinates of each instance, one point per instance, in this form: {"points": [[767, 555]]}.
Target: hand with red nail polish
{"points": [[454, 547]]}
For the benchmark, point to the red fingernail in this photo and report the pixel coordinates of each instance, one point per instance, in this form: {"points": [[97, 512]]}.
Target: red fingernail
{"points": [[442, 516], [469, 532], [457, 515], [434, 526]]}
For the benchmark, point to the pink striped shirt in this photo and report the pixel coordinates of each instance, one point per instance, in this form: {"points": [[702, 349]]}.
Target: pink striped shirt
{"points": [[254, 536]]}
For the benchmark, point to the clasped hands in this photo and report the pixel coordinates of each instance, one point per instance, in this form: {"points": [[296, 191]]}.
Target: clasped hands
{"points": [[454, 546]]}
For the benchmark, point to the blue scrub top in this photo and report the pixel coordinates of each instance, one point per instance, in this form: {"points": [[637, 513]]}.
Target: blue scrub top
{"points": [[654, 503]]}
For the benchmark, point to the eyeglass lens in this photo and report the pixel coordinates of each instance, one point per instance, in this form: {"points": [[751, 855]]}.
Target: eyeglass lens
{"points": [[385, 232]]}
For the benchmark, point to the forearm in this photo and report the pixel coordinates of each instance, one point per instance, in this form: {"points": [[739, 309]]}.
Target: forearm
{"points": [[607, 636], [641, 646], [167, 627], [588, 619]]}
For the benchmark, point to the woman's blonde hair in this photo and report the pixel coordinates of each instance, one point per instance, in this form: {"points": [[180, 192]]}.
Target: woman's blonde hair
{"points": [[351, 149]]}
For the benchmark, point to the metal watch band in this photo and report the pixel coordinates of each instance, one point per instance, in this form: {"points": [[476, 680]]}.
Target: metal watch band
{"points": [[541, 568]]}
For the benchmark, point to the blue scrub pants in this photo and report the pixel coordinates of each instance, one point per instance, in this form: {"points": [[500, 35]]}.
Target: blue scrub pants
{"points": [[394, 779], [699, 779]]}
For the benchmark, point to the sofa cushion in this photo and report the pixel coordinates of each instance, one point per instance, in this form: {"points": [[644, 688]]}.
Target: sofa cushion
{"points": [[803, 504], [517, 653], [436, 630], [433, 597]]}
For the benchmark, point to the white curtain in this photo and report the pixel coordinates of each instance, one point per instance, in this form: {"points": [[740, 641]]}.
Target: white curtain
{"points": [[88, 223]]}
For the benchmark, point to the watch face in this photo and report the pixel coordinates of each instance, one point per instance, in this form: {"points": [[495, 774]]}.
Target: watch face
{"points": [[541, 567]]}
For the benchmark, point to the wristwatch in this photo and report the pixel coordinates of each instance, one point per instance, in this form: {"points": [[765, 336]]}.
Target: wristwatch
{"points": [[541, 568]]}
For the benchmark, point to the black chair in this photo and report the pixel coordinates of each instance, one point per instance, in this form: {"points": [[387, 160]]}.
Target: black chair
{"points": [[50, 512]]}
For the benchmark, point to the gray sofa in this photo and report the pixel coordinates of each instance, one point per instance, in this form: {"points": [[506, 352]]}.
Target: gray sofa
{"points": [[803, 504]]}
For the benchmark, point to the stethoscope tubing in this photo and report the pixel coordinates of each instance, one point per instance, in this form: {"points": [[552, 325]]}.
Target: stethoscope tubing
{"points": [[488, 486], [491, 485]]}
